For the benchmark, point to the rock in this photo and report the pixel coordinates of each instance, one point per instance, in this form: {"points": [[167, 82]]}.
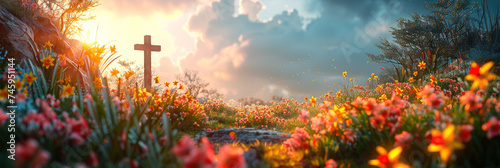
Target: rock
{"points": [[45, 30], [243, 135], [16, 37]]}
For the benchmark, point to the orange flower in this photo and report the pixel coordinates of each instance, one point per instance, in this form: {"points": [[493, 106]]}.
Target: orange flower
{"points": [[421, 65], [47, 61], [433, 79], [62, 59], [128, 74], [376, 77], [79, 62], [390, 159], [232, 134], [29, 78], [415, 73], [181, 86], [157, 79], [114, 72], [480, 75], [344, 73], [330, 164], [112, 48], [231, 157], [47, 45], [67, 90], [166, 84], [175, 83], [372, 75], [305, 98], [411, 80], [98, 83], [339, 93], [444, 143]]}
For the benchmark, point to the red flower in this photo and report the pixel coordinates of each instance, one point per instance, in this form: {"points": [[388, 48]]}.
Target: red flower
{"points": [[29, 152], [3, 116], [464, 133], [230, 157], [492, 127]]}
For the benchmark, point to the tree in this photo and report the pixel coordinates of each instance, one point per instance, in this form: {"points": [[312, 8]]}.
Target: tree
{"points": [[68, 14], [197, 87], [447, 33]]}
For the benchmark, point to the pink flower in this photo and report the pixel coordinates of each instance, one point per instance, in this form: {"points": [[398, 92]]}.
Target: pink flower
{"points": [[230, 157], [184, 147], [303, 116], [404, 139], [330, 164], [492, 127], [471, 101], [298, 141], [434, 101]]}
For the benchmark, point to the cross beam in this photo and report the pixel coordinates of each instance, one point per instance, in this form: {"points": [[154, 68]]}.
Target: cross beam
{"points": [[147, 48]]}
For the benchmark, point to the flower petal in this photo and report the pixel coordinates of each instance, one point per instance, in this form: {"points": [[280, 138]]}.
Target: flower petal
{"points": [[374, 162], [486, 67], [381, 150], [394, 154], [434, 148], [445, 154], [448, 133]]}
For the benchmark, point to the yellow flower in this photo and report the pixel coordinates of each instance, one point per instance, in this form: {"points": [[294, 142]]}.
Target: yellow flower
{"points": [[175, 83], [339, 93], [62, 59], [313, 101], [376, 77], [166, 84], [181, 86], [480, 75], [47, 45], [68, 90], [421, 65], [382, 98], [157, 79], [415, 73], [444, 143], [344, 73], [29, 78], [350, 79], [47, 61], [369, 79], [19, 84], [411, 80], [114, 72], [390, 159], [67, 80], [373, 75]]}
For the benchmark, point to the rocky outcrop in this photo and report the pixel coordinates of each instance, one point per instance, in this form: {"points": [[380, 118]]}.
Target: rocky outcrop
{"points": [[243, 135], [16, 37], [22, 37]]}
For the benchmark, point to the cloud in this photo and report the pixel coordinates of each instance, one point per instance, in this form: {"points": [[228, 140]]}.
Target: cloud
{"points": [[251, 8], [128, 8], [244, 56]]}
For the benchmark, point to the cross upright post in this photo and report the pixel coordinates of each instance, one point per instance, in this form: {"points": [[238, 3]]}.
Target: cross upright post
{"points": [[147, 48]]}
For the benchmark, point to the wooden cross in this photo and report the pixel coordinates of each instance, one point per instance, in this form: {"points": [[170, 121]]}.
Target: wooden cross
{"points": [[147, 48]]}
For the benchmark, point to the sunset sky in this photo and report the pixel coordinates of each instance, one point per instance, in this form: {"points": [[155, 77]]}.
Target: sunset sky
{"points": [[254, 48]]}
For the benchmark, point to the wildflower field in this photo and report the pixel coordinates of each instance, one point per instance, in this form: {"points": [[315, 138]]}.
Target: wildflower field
{"points": [[58, 110], [436, 121]]}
